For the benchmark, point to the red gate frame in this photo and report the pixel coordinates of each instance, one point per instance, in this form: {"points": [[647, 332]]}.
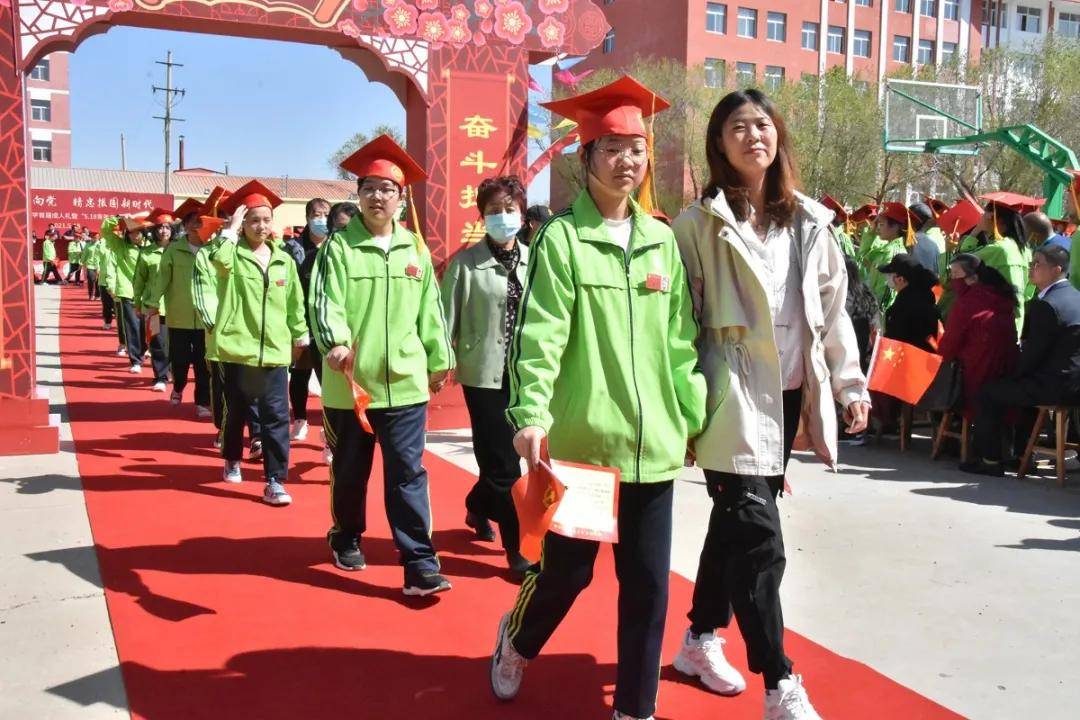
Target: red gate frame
{"points": [[417, 47]]}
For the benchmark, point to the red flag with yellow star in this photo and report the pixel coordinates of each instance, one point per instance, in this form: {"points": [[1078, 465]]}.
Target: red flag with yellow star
{"points": [[901, 370]]}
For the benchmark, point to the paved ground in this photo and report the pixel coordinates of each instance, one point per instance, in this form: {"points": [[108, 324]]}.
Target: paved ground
{"points": [[962, 591]]}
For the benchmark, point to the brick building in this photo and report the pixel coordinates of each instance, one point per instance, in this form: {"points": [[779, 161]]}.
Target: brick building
{"points": [[48, 111]]}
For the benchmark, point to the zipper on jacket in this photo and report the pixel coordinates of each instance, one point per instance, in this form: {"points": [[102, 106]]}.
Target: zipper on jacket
{"points": [[386, 329], [266, 292], [633, 369]]}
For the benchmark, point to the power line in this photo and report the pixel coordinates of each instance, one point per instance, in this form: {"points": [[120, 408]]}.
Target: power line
{"points": [[170, 94]]}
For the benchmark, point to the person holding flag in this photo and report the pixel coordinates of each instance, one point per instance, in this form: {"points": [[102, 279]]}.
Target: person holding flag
{"points": [[174, 288], [144, 288], [777, 346], [603, 368], [374, 303]]}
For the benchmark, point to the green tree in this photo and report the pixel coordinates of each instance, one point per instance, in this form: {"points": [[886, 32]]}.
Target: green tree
{"points": [[356, 142]]}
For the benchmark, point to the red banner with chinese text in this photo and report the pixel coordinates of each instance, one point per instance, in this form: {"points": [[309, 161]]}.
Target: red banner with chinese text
{"points": [[479, 128], [87, 207]]}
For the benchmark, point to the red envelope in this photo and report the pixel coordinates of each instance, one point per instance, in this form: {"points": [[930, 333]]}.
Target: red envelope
{"points": [[536, 498]]}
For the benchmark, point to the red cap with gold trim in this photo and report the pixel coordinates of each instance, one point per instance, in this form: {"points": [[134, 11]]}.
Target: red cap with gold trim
{"points": [[898, 213], [936, 206], [212, 206], [135, 222], [830, 202], [191, 205], [209, 225], [866, 212], [159, 216], [251, 195], [961, 218], [1022, 204], [619, 108], [384, 158]]}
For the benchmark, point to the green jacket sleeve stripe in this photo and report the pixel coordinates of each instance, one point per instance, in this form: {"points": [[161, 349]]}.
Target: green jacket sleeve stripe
{"points": [[323, 336]]}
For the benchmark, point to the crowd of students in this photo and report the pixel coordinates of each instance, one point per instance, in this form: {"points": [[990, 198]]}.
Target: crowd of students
{"points": [[612, 339]]}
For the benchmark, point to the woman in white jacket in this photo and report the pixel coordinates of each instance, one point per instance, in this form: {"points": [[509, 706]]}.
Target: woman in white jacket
{"points": [[776, 346]]}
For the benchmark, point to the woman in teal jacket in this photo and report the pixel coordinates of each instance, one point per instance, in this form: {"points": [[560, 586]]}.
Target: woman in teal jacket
{"points": [[481, 291], [603, 366], [260, 329]]}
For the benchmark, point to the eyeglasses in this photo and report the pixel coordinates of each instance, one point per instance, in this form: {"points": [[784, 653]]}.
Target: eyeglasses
{"points": [[386, 192]]}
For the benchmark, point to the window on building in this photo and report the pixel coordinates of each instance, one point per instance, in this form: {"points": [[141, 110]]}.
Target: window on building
{"points": [[901, 48], [810, 36], [716, 18], [746, 73], [928, 7], [926, 52], [952, 9], [1068, 25], [609, 41], [774, 77], [948, 52], [1028, 19], [861, 43], [836, 39], [42, 150], [41, 70], [776, 26], [41, 110], [864, 3], [747, 23], [903, 6], [994, 13], [715, 73]]}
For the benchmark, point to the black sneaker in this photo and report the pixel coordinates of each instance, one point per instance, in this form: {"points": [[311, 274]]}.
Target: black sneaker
{"points": [[518, 566], [350, 558], [423, 584], [256, 450], [481, 525]]}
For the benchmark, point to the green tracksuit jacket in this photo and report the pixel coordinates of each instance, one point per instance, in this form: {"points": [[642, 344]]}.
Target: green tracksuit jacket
{"points": [[261, 315], [75, 251], [124, 256], [142, 286], [603, 357], [91, 256], [48, 251], [206, 291], [173, 284], [1007, 257], [388, 303]]}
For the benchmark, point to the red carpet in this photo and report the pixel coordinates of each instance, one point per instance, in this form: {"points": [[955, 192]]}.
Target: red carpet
{"points": [[223, 607]]}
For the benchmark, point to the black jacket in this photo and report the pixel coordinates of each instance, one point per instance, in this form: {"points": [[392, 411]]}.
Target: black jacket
{"points": [[1050, 342], [913, 317]]}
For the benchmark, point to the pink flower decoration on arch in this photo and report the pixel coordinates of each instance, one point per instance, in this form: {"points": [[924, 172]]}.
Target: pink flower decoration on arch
{"points": [[390, 3], [433, 27], [348, 27], [483, 8], [460, 12], [459, 33], [360, 5], [487, 26], [552, 33], [121, 5], [427, 4], [401, 19], [512, 22], [553, 7], [479, 40]]}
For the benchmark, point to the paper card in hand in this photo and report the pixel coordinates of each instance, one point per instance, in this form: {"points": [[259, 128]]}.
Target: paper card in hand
{"points": [[590, 506]]}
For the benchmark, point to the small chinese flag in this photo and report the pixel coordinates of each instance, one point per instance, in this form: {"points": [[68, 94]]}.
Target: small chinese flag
{"points": [[536, 498], [901, 370]]}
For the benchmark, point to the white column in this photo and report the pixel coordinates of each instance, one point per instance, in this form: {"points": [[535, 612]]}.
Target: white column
{"points": [[823, 37], [939, 42], [849, 61], [965, 32], [884, 44], [915, 7]]}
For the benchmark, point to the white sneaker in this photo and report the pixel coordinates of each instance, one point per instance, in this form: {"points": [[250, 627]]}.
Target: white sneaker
{"points": [[106, 326], [217, 441], [231, 473], [201, 411], [789, 701], [704, 658], [299, 430], [160, 387], [135, 369], [623, 716], [175, 398], [507, 665], [121, 351]]}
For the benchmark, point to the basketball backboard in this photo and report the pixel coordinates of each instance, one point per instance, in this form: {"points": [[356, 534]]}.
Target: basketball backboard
{"points": [[917, 111]]}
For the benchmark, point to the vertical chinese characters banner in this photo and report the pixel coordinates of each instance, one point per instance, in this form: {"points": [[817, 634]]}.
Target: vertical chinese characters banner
{"points": [[479, 128]]}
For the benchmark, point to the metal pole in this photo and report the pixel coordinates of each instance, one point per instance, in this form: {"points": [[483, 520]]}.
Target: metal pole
{"points": [[123, 153], [167, 119]]}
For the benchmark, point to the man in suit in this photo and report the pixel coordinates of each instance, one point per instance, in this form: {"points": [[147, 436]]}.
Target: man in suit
{"points": [[1049, 367]]}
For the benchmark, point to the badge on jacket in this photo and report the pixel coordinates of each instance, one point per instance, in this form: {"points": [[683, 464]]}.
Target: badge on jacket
{"points": [[282, 282], [656, 281], [414, 271]]}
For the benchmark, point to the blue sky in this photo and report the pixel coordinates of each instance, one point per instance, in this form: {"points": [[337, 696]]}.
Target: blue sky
{"points": [[265, 107]]}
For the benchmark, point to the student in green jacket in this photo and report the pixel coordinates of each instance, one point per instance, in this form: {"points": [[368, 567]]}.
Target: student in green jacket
{"points": [[375, 311], [48, 260], [148, 296], [603, 366], [889, 241], [105, 273], [90, 255], [481, 291], [74, 257], [260, 330], [125, 252], [187, 340]]}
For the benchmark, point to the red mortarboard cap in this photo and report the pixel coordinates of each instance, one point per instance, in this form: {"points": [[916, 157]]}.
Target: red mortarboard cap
{"points": [[384, 158], [251, 195], [135, 222], [208, 226], [191, 205], [1014, 201], [830, 202], [898, 213], [866, 212], [961, 218], [936, 205], [619, 108], [212, 206], [159, 216]]}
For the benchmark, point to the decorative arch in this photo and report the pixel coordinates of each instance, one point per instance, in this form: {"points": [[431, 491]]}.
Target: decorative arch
{"points": [[460, 69]]}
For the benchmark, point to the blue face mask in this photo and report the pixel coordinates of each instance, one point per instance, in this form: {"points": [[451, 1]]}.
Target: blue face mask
{"points": [[317, 226], [502, 227]]}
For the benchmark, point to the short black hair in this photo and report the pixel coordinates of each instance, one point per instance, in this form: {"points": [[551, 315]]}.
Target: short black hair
{"points": [[1056, 255], [539, 213], [348, 208], [310, 207]]}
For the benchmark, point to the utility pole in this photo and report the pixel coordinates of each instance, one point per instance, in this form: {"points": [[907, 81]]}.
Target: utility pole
{"points": [[123, 153], [167, 119]]}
